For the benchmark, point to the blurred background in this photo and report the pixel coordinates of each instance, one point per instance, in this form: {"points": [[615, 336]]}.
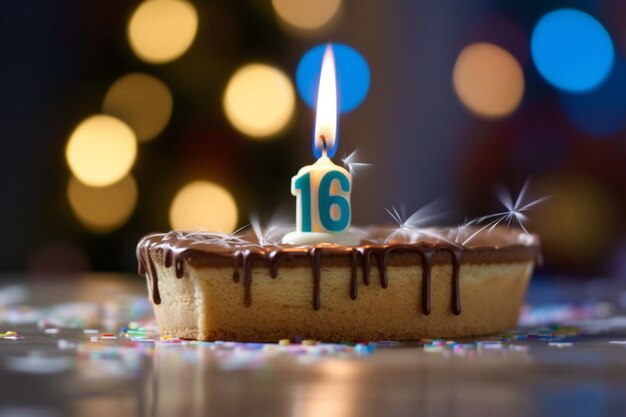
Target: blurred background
{"points": [[121, 118]]}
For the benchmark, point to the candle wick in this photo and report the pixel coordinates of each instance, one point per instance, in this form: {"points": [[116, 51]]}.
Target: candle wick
{"points": [[324, 145]]}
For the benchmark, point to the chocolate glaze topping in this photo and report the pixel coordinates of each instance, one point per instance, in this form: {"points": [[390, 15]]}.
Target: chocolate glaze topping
{"points": [[426, 247]]}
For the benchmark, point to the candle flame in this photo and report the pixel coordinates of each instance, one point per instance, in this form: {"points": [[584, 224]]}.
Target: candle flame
{"points": [[324, 140]]}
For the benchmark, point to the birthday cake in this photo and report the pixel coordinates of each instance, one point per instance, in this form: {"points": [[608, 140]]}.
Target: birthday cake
{"points": [[325, 280], [415, 284]]}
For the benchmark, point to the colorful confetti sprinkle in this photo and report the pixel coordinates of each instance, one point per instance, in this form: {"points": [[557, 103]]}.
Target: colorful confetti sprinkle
{"points": [[113, 338]]}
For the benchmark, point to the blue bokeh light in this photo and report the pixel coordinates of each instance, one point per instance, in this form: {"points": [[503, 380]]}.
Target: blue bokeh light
{"points": [[572, 50], [600, 112], [353, 76]]}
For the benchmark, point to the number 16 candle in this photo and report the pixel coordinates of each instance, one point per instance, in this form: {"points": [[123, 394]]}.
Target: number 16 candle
{"points": [[323, 189]]}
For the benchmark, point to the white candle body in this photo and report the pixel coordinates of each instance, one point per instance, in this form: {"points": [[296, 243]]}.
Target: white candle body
{"points": [[323, 211], [326, 208]]}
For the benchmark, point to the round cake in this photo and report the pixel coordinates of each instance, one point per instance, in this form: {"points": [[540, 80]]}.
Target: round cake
{"points": [[394, 285]]}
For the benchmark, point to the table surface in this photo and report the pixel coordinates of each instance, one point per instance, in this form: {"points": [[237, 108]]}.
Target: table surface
{"points": [[67, 347]]}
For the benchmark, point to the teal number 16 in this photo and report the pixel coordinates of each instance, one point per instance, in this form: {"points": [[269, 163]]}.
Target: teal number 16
{"points": [[325, 201]]}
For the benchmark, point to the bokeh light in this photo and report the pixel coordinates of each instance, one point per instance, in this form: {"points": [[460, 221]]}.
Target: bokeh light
{"points": [[602, 111], [203, 205], [572, 50], [160, 31], [577, 223], [306, 14], [142, 101], [101, 150], [259, 100], [353, 76], [488, 80], [103, 209]]}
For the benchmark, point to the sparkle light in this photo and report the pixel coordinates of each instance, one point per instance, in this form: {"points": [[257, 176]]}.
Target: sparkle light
{"points": [[488, 80], [353, 76], [103, 209], [352, 164], [142, 101], [514, 214], [101, 150], [160, 31], [259, 100], [203, 205], [572, 50], [306, 14]]}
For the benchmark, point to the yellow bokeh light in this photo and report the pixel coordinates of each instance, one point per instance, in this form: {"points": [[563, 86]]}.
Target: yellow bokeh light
{"points": [[142, 101], [101, 150], [488, 80], [160, 31], [578, 223], [103, 209], [306, 14], [259, 100], [203, 205]]}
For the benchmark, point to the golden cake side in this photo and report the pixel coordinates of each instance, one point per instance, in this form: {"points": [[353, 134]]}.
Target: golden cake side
{"points": [[206, 303]]}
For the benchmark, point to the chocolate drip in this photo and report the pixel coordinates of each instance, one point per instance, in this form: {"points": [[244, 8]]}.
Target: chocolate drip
{"points": [[425, 252], [381, 256], [142, 263], [427, 257], [353, 266], [179, 263], [238, 258], [366, 263], [167, 258], [179, 267], [153, 277], [274, 258], [316, 266], [175, 247], [248, 258], [456, 284]]}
